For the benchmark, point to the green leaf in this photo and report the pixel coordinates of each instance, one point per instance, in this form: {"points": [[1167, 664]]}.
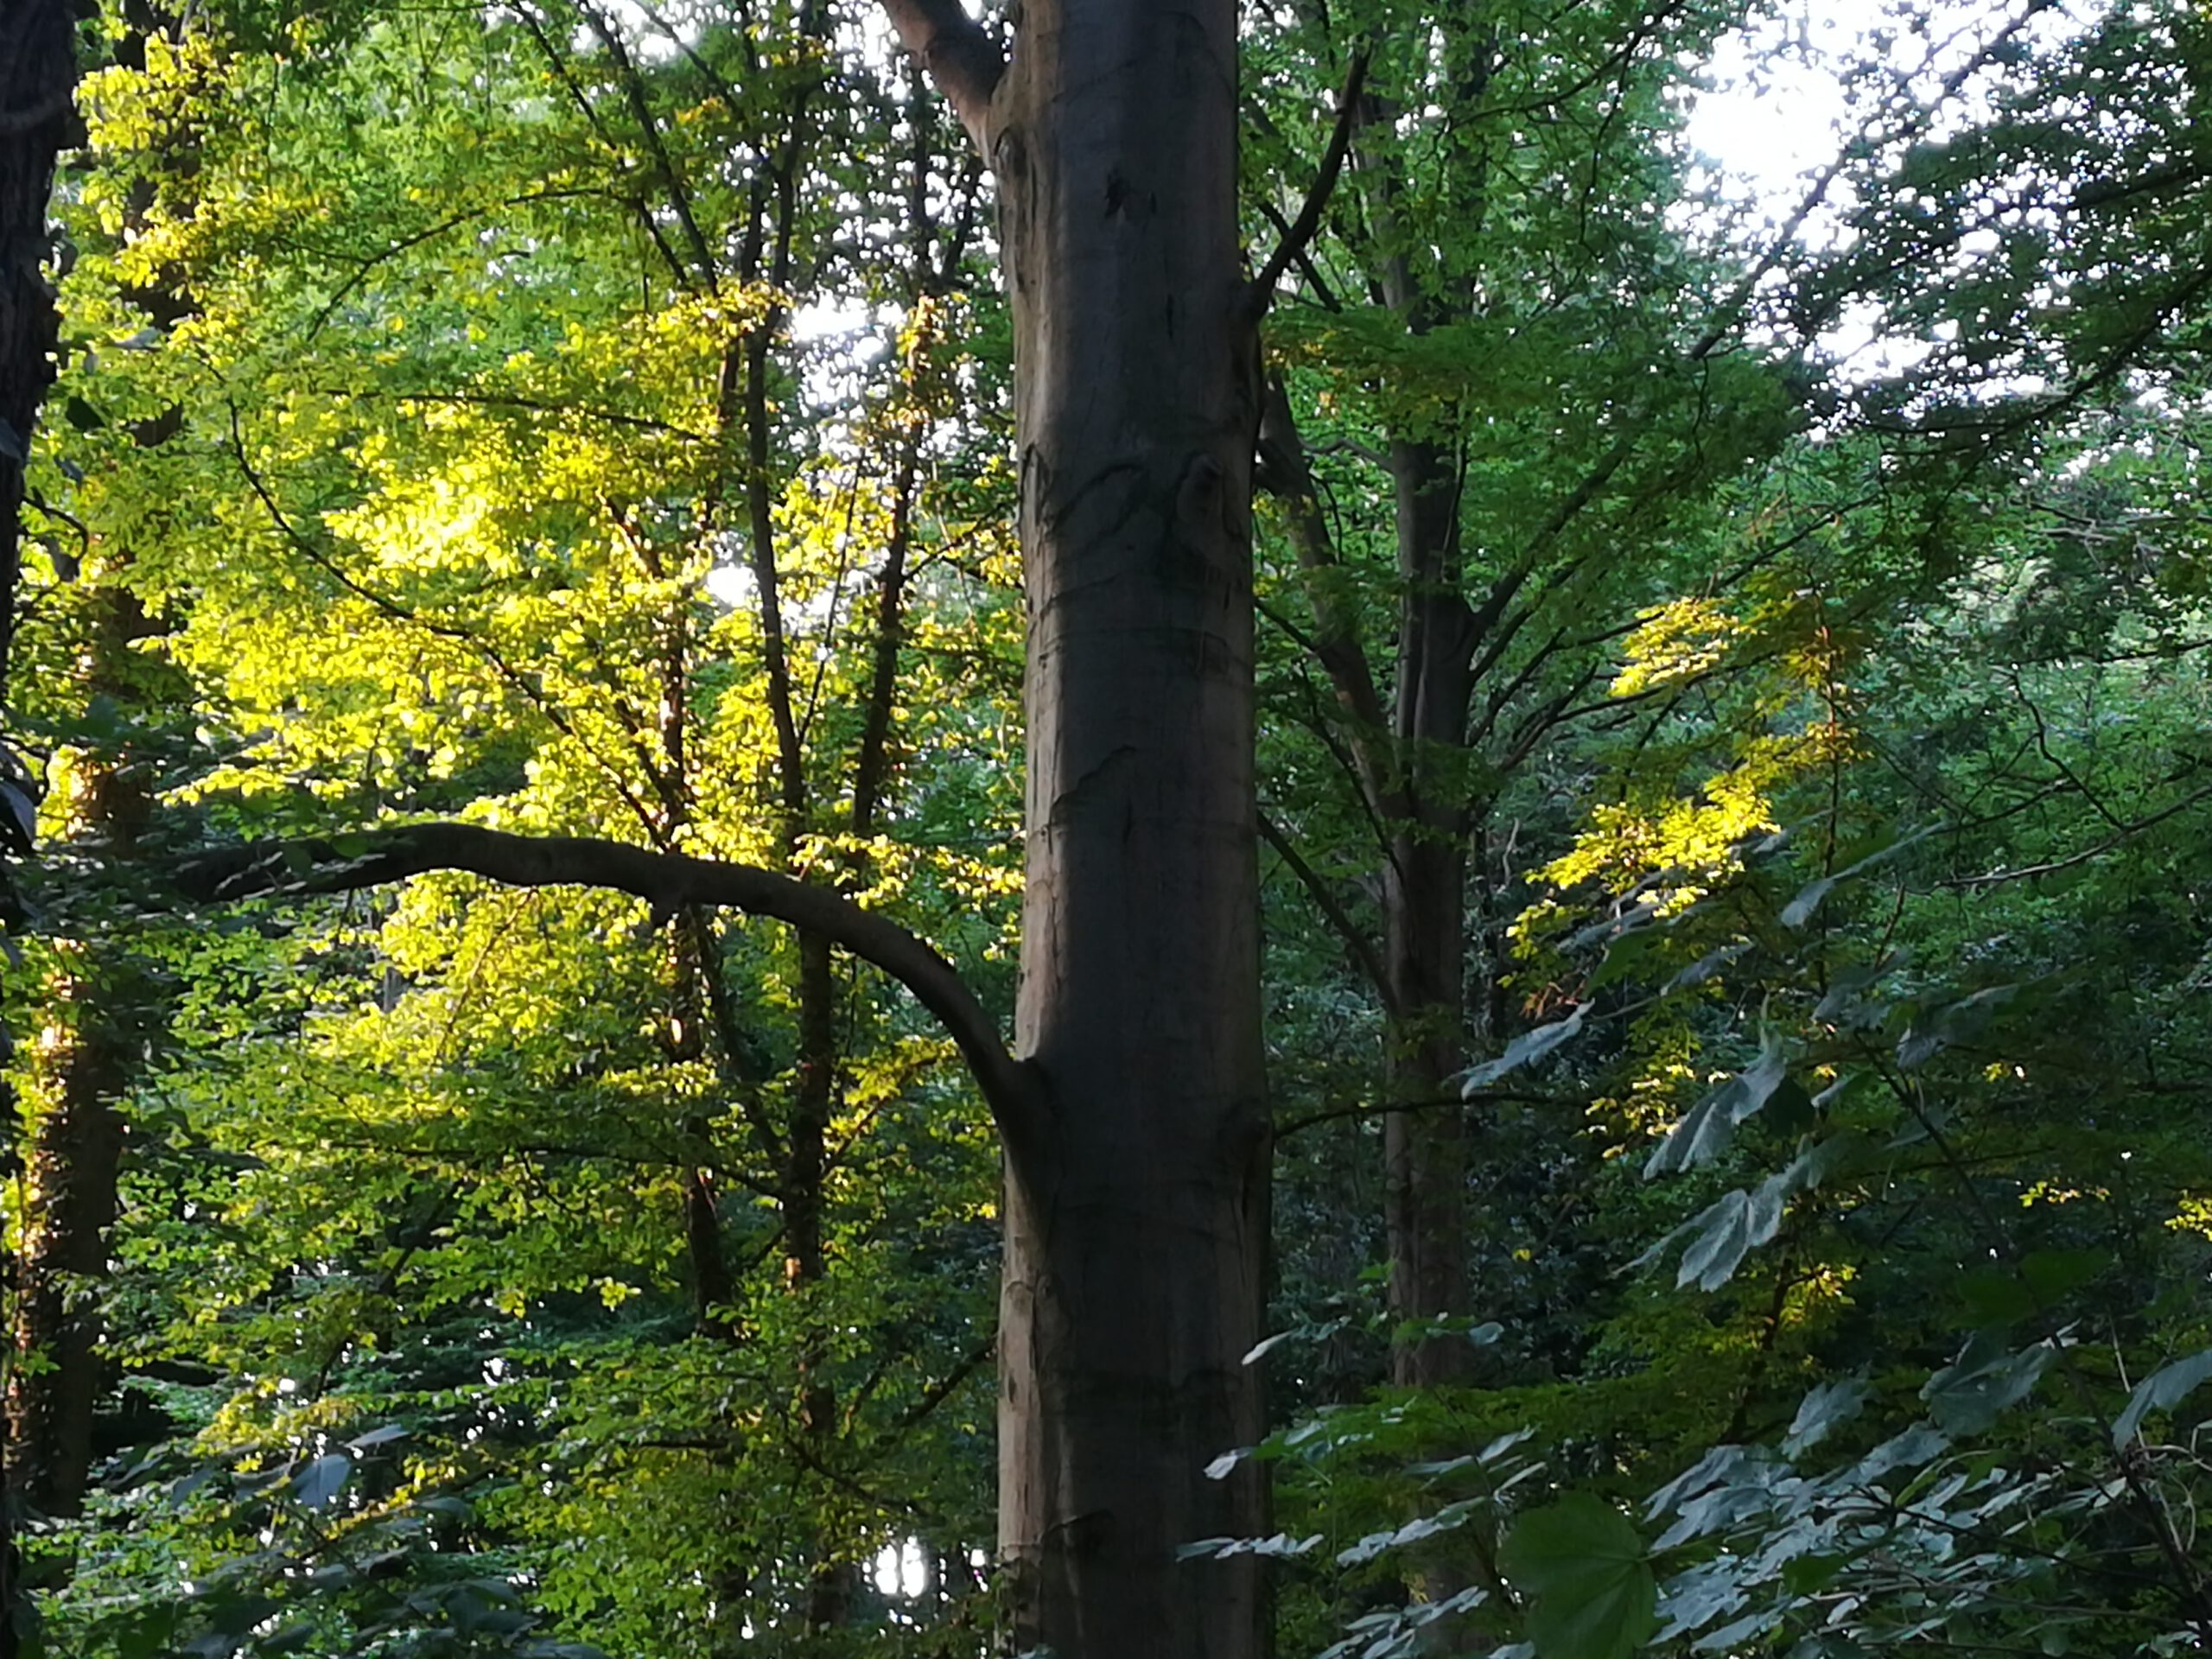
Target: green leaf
{"points": [[1582, 1566], [1725, 1232], [1994, 1297], [151, 1635], [323, 1479], [1806, 1575], [1281, 1545], [1966, 1396], [1949, 1024], [2052, 1273], [1448, 1518], [1801, 910], [1705, 967], [1822, 1409], [2161, 1390]]}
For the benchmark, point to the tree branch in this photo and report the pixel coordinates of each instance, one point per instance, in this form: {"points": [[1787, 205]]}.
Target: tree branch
{"points": [[1287, 475], [963, 60], [670, 881], [1302, 229], [1347, 930]]}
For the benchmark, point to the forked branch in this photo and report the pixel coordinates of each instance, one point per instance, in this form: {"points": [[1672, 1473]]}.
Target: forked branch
{"points": [[962, 58], [1308, 223], [670, 882]]}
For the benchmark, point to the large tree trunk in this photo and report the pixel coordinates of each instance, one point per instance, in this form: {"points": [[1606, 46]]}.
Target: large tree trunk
{"points": [[1136, 1202]]}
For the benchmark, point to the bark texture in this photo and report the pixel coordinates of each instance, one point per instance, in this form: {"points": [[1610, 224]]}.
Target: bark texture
{"points": [[38, 77], [1136, 1192], [105, 1017], [1136, 1213]]}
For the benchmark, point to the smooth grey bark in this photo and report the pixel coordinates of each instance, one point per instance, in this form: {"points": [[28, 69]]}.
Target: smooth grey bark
{"points": [[1136, 1195]]}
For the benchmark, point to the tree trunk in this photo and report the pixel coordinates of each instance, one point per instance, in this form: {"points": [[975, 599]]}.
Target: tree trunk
{"points": [[106, 1016], [71, 1203], [1424, 903], [38, 75], [1136, 1201]]}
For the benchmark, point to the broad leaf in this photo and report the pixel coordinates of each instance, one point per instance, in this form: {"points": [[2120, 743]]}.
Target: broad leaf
{"points": [[1822, 1409], [1699, 1138], [1582, 1566], [1966, 1396], [1801, 910], [1525, 1050], [323, 1479], [1939, 1028], [2161, 1390]]}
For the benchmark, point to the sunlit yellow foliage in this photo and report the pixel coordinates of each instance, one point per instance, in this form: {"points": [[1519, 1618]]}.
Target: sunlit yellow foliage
{"points": [[1675, 642], [1666, 1080]]}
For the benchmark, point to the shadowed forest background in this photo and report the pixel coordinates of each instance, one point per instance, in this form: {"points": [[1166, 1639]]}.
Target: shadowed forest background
{"points": [[513, 785]]}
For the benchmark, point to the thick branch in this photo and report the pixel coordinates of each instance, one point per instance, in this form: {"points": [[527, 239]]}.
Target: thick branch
{"points": [[963, 60], [670, 881]]}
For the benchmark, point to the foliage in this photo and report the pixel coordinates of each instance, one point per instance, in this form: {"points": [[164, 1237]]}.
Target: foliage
{"points": [[592, 422]]}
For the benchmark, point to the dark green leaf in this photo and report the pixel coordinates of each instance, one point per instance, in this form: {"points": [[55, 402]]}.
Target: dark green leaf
{"points": [[1966, 1396], [2161, 1390], [1525, 1050], [1822, 1409], [323, 1479], [1937, 1029], [1583, 1569], [1705, 1130]]}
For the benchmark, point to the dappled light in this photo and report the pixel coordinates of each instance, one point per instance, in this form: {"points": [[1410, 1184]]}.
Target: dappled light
{"points": [[860, 830]]}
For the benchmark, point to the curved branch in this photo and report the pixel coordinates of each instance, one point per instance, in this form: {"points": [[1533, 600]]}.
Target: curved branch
{"points": [[669, 882], [963, 60]]}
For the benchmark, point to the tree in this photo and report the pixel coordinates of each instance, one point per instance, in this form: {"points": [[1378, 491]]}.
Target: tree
{"points": [[1138, 1166], [497, 547], [1135, 1121]]}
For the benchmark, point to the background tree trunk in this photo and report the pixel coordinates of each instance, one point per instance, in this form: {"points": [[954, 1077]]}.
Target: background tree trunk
{"points": [[38, 75], [1424, 897]]}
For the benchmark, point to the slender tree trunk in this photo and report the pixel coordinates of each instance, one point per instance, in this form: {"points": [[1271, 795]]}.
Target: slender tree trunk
{"points": [[70, 1205], [106, 1016], [38, 74], [829, 1593], [1137, 1205], [1424, 903]]}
